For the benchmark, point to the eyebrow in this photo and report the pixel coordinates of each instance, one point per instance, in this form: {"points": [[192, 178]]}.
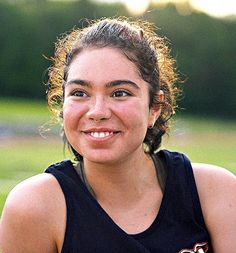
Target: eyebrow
{"points": [[108, 85], [78, 82]]}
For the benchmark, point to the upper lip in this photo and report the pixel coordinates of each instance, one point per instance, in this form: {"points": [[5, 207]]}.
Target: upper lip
{"points": [[100, 129]]}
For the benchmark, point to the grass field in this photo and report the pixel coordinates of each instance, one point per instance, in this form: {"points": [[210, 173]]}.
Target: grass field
{"points": [[24, 152]]}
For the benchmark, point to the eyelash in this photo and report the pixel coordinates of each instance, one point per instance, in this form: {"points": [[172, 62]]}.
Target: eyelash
{"points": [[116, 93], [121, 91], [78, 91]]}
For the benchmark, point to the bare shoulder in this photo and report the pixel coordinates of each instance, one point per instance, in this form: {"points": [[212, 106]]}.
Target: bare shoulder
{"points": [[34, 195], [30, 216], [217, 191], [214, 181], [213, 178]]}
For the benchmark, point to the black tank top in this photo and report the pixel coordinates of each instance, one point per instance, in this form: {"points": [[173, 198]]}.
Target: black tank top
{"points": [[178, 228]]}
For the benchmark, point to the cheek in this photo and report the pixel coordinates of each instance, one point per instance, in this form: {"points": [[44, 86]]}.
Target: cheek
{"points": [[71, 114], [133, 113]]}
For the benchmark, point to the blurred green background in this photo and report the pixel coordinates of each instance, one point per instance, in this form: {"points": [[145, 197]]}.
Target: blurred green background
{"points": [[204, 47]]}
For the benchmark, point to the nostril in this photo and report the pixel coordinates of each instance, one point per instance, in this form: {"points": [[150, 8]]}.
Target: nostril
{"points": [[98, 120], [99, 112]]}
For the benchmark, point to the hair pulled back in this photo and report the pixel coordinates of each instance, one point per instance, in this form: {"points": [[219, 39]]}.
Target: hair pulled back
{"points": [[140, 44]]}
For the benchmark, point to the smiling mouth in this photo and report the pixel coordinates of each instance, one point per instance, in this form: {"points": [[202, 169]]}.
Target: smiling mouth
{"points": [[101, 135]]}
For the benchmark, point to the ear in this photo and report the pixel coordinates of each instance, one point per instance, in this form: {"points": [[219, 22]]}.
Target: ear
{"points": [[155, 110]]}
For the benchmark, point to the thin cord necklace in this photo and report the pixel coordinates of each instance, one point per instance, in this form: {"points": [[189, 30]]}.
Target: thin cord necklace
{"points": [[159, 164], [80, 170]]}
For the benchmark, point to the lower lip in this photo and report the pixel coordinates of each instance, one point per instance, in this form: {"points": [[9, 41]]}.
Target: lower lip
{"points": [[103, 139]]}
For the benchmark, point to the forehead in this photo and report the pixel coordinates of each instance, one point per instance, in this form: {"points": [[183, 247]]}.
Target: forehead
{"points": [[97, 63]]}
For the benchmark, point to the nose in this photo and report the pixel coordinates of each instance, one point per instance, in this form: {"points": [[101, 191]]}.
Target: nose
{"points": [[99, 109]]}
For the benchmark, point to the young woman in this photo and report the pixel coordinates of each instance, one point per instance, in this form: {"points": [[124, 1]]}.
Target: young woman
{"points": [[112, 85]]}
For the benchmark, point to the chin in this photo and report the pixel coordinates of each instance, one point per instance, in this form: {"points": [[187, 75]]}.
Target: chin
{"points": [[100, 158]]}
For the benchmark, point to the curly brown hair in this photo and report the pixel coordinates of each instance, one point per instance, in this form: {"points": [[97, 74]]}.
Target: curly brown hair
{"points": [[139, 42]]}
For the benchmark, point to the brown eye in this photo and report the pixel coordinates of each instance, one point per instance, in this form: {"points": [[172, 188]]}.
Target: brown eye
{"points": [[121, 93]]}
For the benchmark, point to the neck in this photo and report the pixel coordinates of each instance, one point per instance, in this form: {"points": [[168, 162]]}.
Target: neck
{"points": [[122, 183]]}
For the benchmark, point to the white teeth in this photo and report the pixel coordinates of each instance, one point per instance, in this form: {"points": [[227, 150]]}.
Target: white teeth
{"points": [[100, 134]]}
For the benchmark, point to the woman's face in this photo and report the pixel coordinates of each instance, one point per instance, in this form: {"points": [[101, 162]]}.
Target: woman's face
{"points": [[106, 107]]}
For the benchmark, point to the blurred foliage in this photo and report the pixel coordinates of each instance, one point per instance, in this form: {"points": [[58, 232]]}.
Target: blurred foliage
{"points": [[203, 46]]}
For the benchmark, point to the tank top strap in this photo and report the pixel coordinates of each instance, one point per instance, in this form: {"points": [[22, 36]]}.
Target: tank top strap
{"points": [[181, 178]]}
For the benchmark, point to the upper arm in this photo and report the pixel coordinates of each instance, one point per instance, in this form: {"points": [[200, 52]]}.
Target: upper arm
{"points": [[27, 224], [217, 192]]}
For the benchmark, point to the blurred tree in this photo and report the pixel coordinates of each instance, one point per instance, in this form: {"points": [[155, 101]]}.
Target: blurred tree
{"points": [[203, 46]]}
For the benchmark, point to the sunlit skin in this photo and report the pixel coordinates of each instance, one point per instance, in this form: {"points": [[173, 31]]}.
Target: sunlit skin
{"points": [[106, 109]]}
